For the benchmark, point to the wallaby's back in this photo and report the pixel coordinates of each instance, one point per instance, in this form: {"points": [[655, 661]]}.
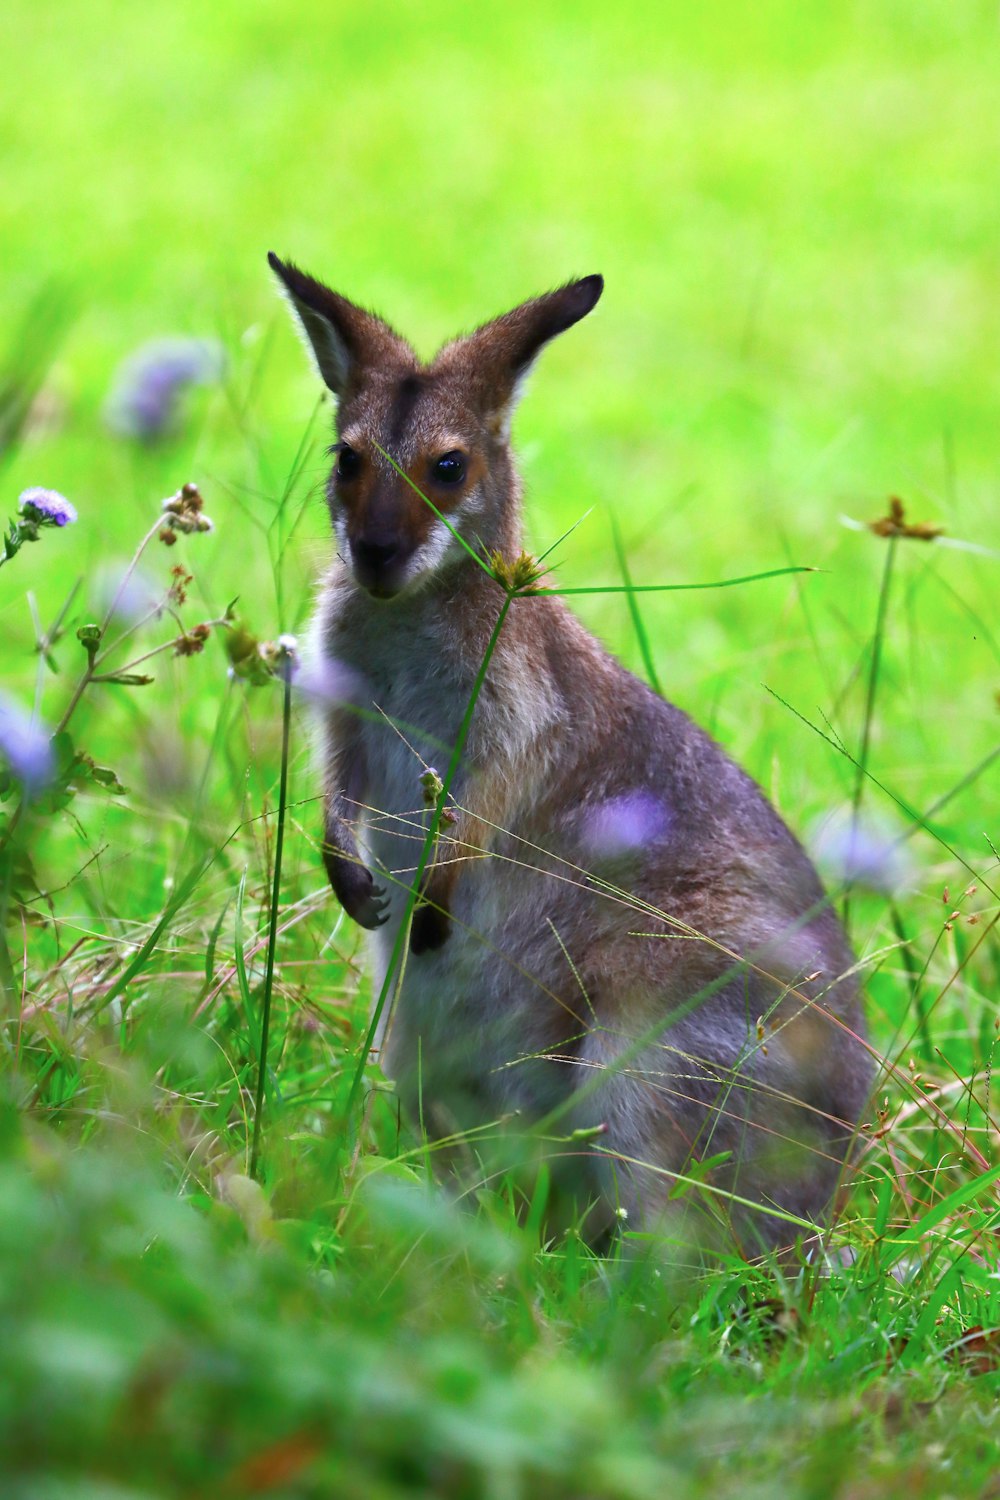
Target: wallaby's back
{"points": [[617, 929]]}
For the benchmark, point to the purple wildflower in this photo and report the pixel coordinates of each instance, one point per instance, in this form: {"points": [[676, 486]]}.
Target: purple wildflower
{"points": [[127, 593], [37, 508], [25, 746], [327, 683], [145, 397], [46, 507], [626, 823], [861, 850]]}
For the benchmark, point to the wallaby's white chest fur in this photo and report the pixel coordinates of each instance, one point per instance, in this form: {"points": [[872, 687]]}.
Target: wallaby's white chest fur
{"points": [[614, 928]]}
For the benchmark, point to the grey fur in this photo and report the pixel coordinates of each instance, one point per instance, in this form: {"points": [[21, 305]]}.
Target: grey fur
{"points": [[627, 934]]}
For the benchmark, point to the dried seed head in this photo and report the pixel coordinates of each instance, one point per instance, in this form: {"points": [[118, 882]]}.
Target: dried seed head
{"points": [[519, 576], [895, 524], [177, 592], [185, 512], [193, 642]]}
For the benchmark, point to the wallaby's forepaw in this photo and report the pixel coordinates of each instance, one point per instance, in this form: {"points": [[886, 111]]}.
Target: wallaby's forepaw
{"points": [[354, 887], [429, 929], [372, 909]]}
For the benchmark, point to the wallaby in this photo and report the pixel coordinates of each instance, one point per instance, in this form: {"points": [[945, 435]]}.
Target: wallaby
{"points": [[618, 935]]}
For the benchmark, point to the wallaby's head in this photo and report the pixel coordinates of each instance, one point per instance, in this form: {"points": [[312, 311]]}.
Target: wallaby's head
{"points": [[407, 430]]}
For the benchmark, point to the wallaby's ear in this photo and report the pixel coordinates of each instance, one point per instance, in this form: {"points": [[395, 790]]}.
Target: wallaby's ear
{"points": [[497, 357], [344, 339]]}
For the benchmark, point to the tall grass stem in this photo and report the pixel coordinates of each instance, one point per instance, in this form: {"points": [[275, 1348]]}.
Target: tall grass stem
{"points": [[870, 695], [638, 623], [265, 1022]]}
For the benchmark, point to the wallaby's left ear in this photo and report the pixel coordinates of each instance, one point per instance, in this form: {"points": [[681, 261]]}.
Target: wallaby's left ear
{"points": [[345, 339], [499, 355]]}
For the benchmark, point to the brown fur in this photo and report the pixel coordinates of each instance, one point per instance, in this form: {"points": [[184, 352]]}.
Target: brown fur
{"points": [[616, 925]]}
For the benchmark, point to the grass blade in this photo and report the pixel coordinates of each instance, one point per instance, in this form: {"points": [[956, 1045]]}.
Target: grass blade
{"points": [[272, 935], [633, 608], [676, 588]]}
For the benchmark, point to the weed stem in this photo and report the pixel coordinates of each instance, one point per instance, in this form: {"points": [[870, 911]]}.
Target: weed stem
{"points": [[285, 668], [873, 677]]}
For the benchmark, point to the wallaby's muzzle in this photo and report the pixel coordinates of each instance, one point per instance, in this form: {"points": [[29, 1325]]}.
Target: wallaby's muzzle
{"points": [[380, 564]]}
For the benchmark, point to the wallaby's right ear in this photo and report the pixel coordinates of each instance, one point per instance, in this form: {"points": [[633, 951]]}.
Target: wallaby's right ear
{"points": [[494, 360], [345, 339]]}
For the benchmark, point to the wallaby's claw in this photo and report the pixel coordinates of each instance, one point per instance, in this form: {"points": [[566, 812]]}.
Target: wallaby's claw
{"points": [[371, 908], [379, 907], [364, 902]]}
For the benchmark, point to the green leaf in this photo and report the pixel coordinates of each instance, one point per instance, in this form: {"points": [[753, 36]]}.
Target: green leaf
{"points": [[107, 778], [73, 765]]}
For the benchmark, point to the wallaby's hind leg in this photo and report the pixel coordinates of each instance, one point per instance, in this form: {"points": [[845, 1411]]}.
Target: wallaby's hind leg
{"points": [[694, 1143]]}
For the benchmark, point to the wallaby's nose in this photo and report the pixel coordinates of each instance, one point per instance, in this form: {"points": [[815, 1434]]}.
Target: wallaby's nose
{"points": [[372, 557], [377, 565]]}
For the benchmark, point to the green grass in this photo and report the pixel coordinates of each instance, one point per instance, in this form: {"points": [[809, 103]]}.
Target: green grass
{"points": [[794, 206]]}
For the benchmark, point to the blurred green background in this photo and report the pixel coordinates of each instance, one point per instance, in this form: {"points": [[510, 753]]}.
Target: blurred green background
{"points": [[796, 206]]}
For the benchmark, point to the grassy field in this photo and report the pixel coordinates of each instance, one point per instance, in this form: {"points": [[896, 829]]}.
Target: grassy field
{"points": [[796, 207]]}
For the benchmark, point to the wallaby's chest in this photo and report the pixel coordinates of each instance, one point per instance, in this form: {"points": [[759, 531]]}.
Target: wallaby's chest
{"points": [[411, 718], [415, 680], [410, 691]]}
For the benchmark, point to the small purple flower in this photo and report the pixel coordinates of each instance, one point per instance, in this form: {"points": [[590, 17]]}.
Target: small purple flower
{"points": [[145, 397], [859, 849], [25, 746], [626, 823], [46, 507], [36, 508], [328, 683], [130, 594]]}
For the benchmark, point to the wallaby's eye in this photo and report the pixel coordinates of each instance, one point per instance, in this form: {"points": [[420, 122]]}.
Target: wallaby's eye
{"points": [[348, 462], [449, 469]]}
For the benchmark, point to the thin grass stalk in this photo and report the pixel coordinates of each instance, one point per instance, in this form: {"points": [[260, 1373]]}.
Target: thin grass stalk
{"points": [[272, 936], [92, 667], [673, 588], [870, 695], [278, 551], [638, 624], [178, 899], [8, 981], [918, 820], [913, 978], [479, 561]]}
